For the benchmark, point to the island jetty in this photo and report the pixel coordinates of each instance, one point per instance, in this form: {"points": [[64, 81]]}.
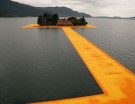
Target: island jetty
{"points": [[115, 80]]}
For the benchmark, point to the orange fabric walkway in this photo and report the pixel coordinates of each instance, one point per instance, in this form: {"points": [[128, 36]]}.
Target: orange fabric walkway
{"points": [[53, 27], [117, 82]]}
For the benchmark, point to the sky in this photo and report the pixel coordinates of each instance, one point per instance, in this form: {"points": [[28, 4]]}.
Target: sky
{"points": [[122, 8]]}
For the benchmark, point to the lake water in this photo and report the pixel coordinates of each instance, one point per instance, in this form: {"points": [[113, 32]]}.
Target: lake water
{"points": [[42, 65], [116, 37]]}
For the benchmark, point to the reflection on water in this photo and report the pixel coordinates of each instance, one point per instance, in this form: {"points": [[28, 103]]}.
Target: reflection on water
{"points": [[40, 65], [114, 36]]}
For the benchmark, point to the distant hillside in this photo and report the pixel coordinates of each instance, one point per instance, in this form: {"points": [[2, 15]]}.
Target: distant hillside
{"points": [[115, 17], [13, 9], [10, 8], [132, 17], [64, 11]]}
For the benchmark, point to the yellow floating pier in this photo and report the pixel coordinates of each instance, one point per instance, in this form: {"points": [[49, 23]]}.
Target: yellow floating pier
{"points": [[51, 27], [117, 82]]}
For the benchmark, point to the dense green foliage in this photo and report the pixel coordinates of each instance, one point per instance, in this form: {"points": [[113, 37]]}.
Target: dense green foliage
{"points": [[77, 22], [48, 19]]}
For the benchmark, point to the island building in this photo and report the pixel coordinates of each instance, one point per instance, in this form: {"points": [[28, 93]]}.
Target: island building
{"points": [[64, 22]]}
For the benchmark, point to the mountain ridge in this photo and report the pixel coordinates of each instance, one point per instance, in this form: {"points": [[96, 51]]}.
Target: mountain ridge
{"points": [[10, 8], [65, 11]]}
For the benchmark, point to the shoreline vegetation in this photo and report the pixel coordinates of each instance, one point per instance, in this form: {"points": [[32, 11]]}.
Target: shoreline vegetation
{"points": [[54, 20]]}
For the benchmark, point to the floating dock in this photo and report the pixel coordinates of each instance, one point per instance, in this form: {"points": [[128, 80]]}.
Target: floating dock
{"points": [[56, 27], [116, 81]]}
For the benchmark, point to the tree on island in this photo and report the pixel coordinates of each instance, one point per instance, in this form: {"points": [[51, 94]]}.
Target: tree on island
{"points": [[45, 16], [55, 19], [49, 20], [40, 20], [77, 22], [83, 21], [72, 19]]}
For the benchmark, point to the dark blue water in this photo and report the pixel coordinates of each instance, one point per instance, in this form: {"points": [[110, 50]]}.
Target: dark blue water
{"points": [[40, 65], [116, 37]]}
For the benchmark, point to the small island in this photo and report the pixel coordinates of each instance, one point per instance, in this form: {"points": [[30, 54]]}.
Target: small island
{"points": [[54, 20]]}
